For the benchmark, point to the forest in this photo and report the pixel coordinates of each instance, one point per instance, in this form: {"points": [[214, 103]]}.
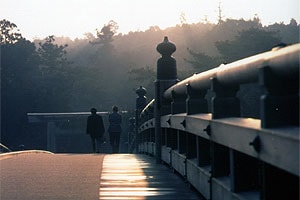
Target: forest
{"points": [[57, 74]]}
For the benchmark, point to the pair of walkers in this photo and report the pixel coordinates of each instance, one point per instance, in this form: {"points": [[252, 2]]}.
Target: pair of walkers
{"points": [[95, 128]]}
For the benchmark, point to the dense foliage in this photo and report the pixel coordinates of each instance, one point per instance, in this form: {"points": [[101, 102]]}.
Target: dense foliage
{"points": [[58, 74]]}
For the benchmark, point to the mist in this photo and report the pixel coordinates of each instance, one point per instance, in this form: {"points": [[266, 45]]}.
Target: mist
{"points": [[58, 74]]}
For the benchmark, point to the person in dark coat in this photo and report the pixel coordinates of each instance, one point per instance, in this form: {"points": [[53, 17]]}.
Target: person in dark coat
{"points": [[95, 128], [115, 129]]}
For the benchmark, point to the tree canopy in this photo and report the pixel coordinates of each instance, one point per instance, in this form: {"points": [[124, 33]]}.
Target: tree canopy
{"points": [[9, 33], [247, 43]]}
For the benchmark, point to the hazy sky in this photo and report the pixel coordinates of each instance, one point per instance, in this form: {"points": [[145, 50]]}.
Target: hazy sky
{"points": [[73, 18]]}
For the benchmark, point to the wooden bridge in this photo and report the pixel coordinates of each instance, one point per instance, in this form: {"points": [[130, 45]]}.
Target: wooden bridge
{"points": [[202, 128], [202, 132]]}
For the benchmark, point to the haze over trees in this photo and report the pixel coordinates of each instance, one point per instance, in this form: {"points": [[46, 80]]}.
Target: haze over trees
{"points": [[57, 74]]}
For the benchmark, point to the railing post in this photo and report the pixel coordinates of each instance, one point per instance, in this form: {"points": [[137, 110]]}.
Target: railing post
{"points": [[196, 102], [166, 77], [225, 103], [280, 103], [141, 102], [178, 104]]}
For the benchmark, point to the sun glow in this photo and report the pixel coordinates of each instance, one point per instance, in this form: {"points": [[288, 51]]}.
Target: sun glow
{"points": [[74, 18]]}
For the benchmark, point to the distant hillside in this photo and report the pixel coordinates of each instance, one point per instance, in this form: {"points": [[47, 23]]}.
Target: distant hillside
{"points": [[138, 50]]}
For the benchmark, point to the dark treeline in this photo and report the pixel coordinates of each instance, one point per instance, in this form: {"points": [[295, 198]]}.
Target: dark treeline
{"points": [[57, 74]]}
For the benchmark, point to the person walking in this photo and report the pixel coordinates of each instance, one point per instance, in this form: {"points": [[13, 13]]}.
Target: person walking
{"points": [[95, 128], [115, 129]]}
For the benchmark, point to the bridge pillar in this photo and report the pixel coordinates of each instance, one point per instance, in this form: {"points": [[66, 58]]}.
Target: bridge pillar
{"points": [[166, 77], [141, 102], [51, 136]]}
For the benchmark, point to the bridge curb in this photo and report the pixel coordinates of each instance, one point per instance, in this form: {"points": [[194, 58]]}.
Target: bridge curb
{"points": [[16, 153]]}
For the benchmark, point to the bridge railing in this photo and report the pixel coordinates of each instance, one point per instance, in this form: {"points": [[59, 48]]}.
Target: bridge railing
{"points": [[199, 128], [4, 148], [65, 132]]}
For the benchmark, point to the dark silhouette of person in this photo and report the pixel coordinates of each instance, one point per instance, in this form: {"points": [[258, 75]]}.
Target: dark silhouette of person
{"points": [[95, 128], [114, 129]]}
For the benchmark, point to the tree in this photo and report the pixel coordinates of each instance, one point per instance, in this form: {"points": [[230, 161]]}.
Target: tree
{"points": [[293, 22], [55, 81], [9, 32], [19, 74], [182, 18], [103, 49], [108, 31], [247, 43], [105, 35], [220, 16], [51, 54], [202, 62], [289, 33]]}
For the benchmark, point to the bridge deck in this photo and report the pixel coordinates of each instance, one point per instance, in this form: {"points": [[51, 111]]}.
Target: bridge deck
{"points": [[88, 176]]}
